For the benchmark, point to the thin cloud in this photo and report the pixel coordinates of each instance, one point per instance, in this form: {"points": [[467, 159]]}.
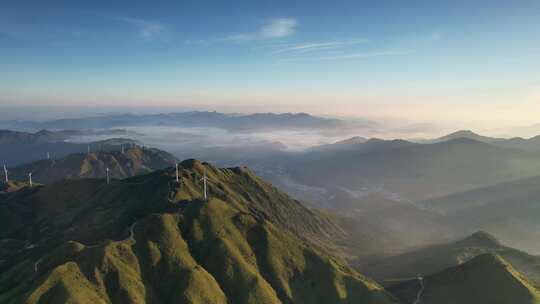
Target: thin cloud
{"points": [[351, 56], [272, 30], [319, 46], [367, 55], [147, 30], [279, 28]]}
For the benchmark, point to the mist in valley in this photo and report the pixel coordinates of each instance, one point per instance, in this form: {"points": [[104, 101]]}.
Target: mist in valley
{"points": [[363, 174]]}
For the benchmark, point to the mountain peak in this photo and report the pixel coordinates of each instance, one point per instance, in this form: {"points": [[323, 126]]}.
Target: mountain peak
{"points": [[481, 239], [192, 163], [487, 278], [464, 133], [467, 134]]}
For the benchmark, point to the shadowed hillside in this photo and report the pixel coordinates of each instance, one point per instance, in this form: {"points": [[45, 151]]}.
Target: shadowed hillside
{"points": [[508, 210], [23, 147], [433, 259], [148, 239], [486, 279], [135, 160], [414, 171]]}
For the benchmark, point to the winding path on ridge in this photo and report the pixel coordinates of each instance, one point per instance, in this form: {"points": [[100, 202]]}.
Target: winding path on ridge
{"points": [[130, 237], [171, 194]]}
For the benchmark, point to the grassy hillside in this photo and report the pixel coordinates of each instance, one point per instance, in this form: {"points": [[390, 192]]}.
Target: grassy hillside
{"points": [[486, 279], [134, 161], [433, 259], [147, 239]]}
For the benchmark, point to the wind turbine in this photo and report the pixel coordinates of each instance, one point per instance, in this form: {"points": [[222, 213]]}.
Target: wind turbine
{"points": [[108, 178], [30, 179], [88, 149], [48, 155], [177, 178], [122, 147], [6, 174], [204, 179]]}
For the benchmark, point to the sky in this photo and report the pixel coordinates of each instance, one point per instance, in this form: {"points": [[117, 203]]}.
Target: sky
{"points": [[470, 62]]}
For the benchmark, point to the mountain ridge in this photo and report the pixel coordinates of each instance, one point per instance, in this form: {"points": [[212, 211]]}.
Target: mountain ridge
{"points": [[248, 243], [435, 258], [130, 161]]}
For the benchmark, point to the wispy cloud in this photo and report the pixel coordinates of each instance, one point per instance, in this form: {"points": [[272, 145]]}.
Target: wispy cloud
{"points": [[271, 30], [368, 55], [361, 55], [147, 30], [318, 46], [278, 28]]}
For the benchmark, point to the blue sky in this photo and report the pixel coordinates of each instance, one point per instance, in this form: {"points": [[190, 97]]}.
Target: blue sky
{"points": [[382, 58]]}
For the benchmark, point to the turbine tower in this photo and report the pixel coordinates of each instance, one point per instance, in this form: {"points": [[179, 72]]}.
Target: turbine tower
{"points": [[108, 178], [88, 149], [30, 179], [122, 148], [204, 179], [177, 178], [6, 174], [48, 155]]}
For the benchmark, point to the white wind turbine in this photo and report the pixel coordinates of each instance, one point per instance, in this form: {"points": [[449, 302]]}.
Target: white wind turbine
{"points": [[108, 178], [30, 179], [204, 179], [48, 155], [177, 177], [6, 174]]}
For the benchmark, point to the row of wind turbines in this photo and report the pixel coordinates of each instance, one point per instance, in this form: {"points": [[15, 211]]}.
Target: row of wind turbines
{"points": [[48, 156], [6, 176], [204, 179]]}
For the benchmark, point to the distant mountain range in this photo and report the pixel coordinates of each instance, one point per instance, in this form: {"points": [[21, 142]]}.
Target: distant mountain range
{"points": [[532, 144], [134, 160], [415, 171], [465, 134], [46, 136], [393, 193], [236, 122], [510, 210], [24, 147]]}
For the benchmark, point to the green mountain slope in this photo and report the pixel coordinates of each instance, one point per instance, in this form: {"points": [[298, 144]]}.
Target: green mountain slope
{"points": [[134, 161], [148, 239], [486, 279], [433, 259]]}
